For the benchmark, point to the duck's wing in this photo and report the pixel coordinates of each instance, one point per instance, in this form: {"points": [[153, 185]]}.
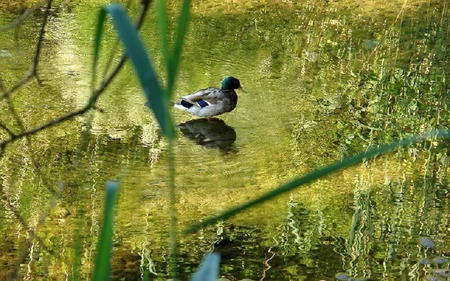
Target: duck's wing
{"points": [[204, 97]]}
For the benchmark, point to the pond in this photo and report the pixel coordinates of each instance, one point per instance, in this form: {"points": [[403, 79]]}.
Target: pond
{"points": [[323, 80]]}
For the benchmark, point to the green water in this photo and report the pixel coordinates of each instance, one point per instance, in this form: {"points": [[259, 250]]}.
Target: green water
{"points": [[323, 80]]}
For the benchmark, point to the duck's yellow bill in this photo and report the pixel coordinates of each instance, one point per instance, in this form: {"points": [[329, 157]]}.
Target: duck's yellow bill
{"points": [[242, 89]]}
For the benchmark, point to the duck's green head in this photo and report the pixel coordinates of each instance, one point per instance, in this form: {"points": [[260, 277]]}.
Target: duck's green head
{"points": [[230, 83]]}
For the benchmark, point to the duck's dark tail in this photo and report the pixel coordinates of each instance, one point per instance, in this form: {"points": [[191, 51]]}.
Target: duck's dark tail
{"points": [[183, 105]]}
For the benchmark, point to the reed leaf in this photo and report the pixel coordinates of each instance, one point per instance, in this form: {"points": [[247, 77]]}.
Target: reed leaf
{"points": [[209, 268], [161, 11], [172, 60], [347, 162], [103, 260], [97, 43], [77, 255], [136, 51], [172, 63], [178, 45]]}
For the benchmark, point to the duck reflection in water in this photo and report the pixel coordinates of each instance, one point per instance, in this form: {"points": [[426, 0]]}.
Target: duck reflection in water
{"points": [[211, 133]]}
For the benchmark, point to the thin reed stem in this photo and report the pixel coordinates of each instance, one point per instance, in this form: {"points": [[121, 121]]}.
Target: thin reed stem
{"points": [[173, 242]]}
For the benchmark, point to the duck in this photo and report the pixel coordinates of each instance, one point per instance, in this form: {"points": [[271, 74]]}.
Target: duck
{"points": [[212, 101]]}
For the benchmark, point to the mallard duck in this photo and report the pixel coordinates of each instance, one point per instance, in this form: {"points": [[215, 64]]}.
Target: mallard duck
{"points": [[211, 101]]}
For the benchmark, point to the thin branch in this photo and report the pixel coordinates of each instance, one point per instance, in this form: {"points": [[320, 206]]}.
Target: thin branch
{"points": [[90, 105], [15, 117], [22, 17], [32, 233], [4, 127], [93, 99], [41, 38], [7, 93], [33, 71]]}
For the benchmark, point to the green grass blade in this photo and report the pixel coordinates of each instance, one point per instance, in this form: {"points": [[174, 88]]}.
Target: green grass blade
{"points": [[139, 57], [103, 260], [173, 235], [98, 38], [209, 268], [161, 11], [178, 46], [347, 162], [77, 255], [97, 43]]}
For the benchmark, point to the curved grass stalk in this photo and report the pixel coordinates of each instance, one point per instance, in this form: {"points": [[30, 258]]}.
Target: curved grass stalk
{"points": [[103, 259], [158, 97], [347, 162], [140, 59]]}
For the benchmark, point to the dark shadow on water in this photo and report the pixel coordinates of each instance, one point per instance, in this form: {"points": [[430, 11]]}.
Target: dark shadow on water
{"points": [[213, 133]]}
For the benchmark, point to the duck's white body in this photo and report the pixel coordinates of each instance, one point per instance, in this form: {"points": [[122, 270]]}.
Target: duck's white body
{"points": [[208, 102], [211, 101]]}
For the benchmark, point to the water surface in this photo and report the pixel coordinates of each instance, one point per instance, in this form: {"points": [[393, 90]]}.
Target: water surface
{"points": [[324, 80]]}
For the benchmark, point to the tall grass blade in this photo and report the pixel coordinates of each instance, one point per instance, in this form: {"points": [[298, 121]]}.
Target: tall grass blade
{"points": [[139, 57], [97, 43], [172, 62], [77, 256], [161, 11], [173, 235], [347, 162], [103, 260], [209, 268], [178, 45]]}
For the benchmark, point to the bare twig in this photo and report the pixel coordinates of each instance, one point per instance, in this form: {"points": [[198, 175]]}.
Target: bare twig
{"points": [[32, 232], [22, 17], [33, 71], [4, 127], [26, 133], [41, 38], [7, 93], [93, 99]]}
